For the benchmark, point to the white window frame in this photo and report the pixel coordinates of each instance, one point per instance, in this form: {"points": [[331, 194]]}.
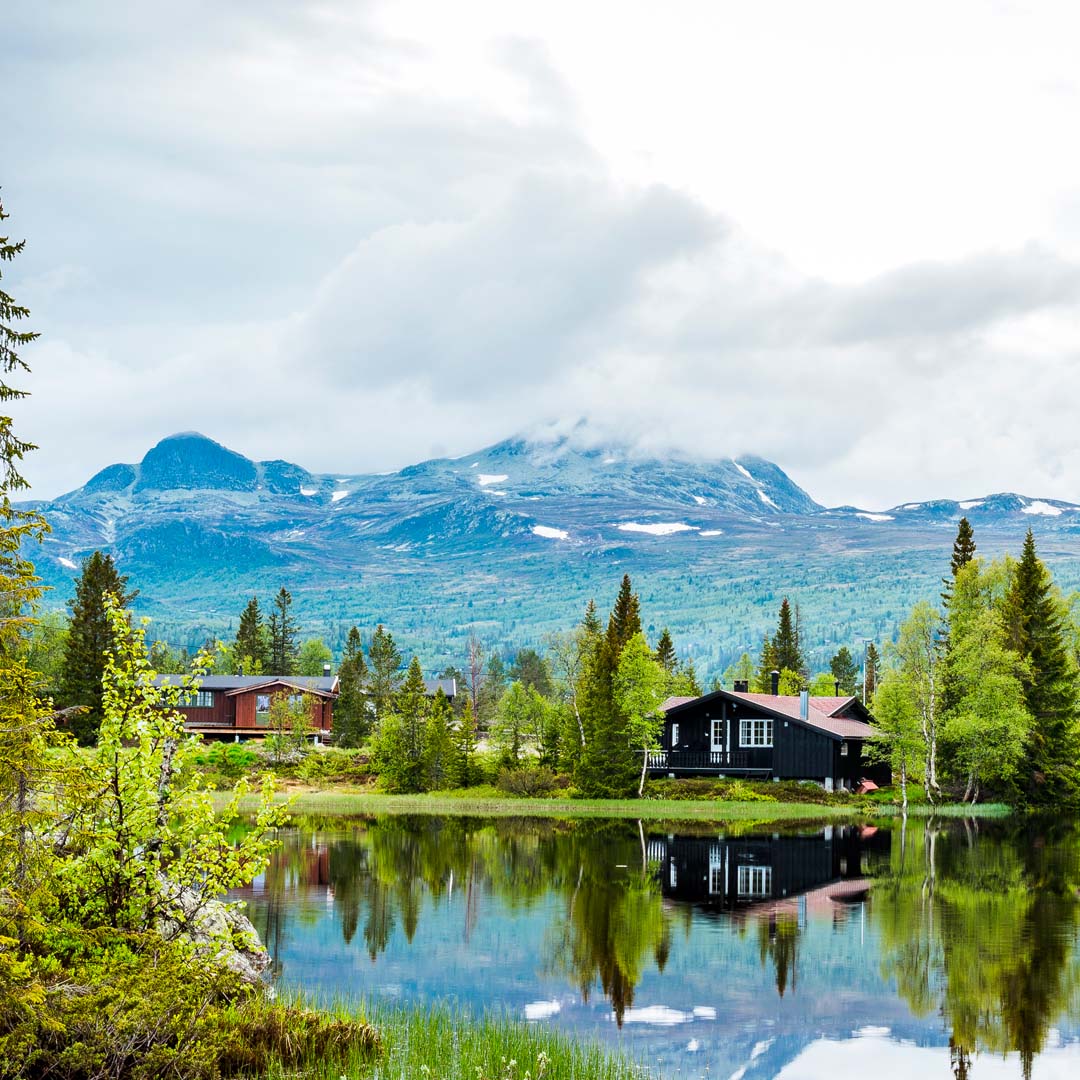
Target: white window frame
{"points": [[843, 749], [754, 880], [674, 735], [716, 874], [196, 699], [755, 733]]}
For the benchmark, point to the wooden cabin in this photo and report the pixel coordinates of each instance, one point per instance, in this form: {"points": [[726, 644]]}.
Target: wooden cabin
{"points": [[237, 707], [769, 737]]}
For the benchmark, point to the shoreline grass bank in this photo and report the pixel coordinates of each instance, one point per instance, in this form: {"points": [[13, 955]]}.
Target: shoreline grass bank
{"points": [[442, 1042], [358, 804]]}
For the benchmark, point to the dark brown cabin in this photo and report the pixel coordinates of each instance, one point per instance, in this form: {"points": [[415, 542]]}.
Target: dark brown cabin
{"points": [[767, 736]]}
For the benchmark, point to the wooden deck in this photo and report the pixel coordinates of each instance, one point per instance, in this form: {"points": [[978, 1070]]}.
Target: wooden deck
{"points": [[733, 762]]}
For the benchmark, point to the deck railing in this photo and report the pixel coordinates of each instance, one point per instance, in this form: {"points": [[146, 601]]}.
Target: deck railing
{"points": [[699, 760]]}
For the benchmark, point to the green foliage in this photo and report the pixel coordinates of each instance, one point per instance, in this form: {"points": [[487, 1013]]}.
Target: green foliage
{"points": [[490, 693], [441, 765], [767, 664], [89, 638], [822, 685], [251, 651], [844, 671], [139, 1009], [625, 620], [537, 782], [532, 670], [335, 765], [791, 682], [140, 829], [741, 671], [385, 660], [400, 742], [1035, 620], [788, 655], [314, 655], [469, 771], [518, 725], [665, 652], [45, 645], [640, 685], [352, 710], [283, 635]]}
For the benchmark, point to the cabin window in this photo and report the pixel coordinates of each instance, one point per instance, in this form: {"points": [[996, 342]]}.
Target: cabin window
{"points": [[196, 699], [674, 738], [755, 732], [755, 881], [843, 749], [262, 708], [295, 699], [673, 874]]}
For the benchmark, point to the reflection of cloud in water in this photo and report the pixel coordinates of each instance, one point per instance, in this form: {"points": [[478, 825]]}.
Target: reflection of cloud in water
{"points": [[826, 1059], [541, 1010], [704, 1012], [660, 1015]]}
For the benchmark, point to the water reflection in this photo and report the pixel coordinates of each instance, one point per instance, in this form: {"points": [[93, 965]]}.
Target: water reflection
{"points": [[732, 950]]}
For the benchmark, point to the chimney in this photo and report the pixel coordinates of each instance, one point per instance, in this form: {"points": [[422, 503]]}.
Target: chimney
{"points": [[775, 682], [804, 704], [327, 670], [836, 687], [742, 686]]}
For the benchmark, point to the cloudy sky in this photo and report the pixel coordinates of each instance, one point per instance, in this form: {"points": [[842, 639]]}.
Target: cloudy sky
{"points": [[844, 236]]}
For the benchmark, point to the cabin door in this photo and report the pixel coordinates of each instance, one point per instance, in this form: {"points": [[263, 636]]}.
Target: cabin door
{"points": [[716, 736]]}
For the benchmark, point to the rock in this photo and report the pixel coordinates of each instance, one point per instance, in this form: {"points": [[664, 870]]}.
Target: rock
{"points": [[219, 932]]}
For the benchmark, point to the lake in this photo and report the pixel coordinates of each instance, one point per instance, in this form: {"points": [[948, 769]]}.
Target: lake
{"points": [[940, 950]]}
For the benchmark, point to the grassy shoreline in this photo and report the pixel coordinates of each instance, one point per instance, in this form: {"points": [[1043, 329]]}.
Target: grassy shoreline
{"points": [[343, 803]]}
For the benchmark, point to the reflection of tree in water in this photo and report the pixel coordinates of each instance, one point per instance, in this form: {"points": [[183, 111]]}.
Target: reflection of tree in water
{"points": [[385, 872], [983, 933], [778, 937], [613, 919]]}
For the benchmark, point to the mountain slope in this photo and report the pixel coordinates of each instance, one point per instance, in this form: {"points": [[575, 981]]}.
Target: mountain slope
{"points": [[512, 540]]}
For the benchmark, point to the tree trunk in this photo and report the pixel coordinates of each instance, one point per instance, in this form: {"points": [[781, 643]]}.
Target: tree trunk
{"points": [[644, 769]]}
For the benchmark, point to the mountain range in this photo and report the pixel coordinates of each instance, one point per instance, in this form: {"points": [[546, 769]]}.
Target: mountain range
{"points": [[511, 542]]}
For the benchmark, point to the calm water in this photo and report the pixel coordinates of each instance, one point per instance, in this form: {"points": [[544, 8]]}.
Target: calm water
{"points": [[943, 951]]}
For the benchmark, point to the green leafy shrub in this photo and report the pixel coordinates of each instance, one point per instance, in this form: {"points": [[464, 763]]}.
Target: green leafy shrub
{"points": [[335, 764], [534, 783]]}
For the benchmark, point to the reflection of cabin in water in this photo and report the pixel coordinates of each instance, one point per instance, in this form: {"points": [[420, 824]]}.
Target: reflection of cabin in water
{"points": [[769, 874], [768, 736]]}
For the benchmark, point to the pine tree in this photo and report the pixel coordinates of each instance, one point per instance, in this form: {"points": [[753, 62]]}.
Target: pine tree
{"points": [[89, 637], [352, 711], [441, 769], [465, 739], [625, 619], [283, 636], [872, 662], [402, 742], [492, 688], [590, 624], [531, 669], [767, 664], [786, 642], [962, 553], [1036, 631], [385, 662], [251, 653], [845, 671], [665, 652]]}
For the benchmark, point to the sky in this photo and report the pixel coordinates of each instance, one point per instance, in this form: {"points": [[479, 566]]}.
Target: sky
{"points": [[842, 236]]}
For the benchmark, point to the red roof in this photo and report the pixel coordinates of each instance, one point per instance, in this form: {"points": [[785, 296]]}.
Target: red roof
{"points": [[823, 713]]}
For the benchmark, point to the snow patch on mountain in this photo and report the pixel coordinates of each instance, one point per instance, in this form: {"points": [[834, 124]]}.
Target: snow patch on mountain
{"points": [[486, 479], [876, 517], [711, 532], [656, 528], [550, 533], [972, 504], [742, 469], [766, 500], [309, 491], [337, 496], [700, 500], [1043, 508]]}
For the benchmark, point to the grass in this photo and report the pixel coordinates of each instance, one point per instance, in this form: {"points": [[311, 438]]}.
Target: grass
{"points": [[424, 1042], [346, 804], [980, 810]]}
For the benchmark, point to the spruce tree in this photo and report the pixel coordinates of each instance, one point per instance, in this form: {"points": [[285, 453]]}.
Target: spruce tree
{"points": [[845, 671], [465, 740], [385, 660], [284, 647], [441, 769], [786, 642], [962, 553], [251, 653], [1037, 633], [665, 652], [531, 669], [625, 619], [352, 710], [492, 688], [767, 664], [870, 676], [89, 636], [590, 624]]}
